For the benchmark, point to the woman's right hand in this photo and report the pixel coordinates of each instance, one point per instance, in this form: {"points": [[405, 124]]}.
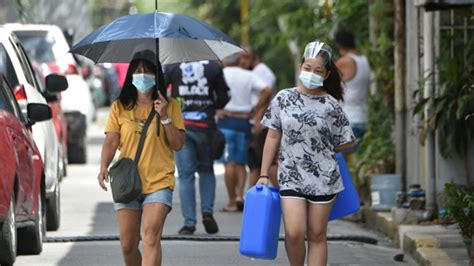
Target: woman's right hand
{"points": [[103, 177], [263, 181]]}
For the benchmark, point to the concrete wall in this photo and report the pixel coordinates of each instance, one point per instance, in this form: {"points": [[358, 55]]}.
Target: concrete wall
{"points": [[447, 170], [8, 11]]}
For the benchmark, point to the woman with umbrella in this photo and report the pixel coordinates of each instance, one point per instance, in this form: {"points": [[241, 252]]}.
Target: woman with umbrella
{"points": [[170, 38], [156, 165]]}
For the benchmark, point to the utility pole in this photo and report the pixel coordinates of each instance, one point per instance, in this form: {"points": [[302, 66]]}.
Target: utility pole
{"points": [[400, 109], [244, 22]]}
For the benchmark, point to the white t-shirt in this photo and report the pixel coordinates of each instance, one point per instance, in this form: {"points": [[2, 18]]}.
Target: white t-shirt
{"points": [[264, 73], [242, 84], [311, 127]]}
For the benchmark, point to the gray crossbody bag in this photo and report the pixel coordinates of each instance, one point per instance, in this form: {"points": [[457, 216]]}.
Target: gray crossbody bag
{"points": [[124, 176]]}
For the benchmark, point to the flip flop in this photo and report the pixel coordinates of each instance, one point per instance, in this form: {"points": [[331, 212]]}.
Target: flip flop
{"points": [[225, 209]]}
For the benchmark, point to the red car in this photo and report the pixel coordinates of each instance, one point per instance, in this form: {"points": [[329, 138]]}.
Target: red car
{"points": [[22, 190]]}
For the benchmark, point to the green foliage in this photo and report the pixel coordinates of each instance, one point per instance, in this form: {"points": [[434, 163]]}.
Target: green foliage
{"points": [[223, 14], [459, 206], [452, 113], [380, 52], [377, 152], [274, 24]]}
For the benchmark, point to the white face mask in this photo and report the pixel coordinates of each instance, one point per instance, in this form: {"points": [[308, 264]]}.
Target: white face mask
{"points": [[311, 80]]}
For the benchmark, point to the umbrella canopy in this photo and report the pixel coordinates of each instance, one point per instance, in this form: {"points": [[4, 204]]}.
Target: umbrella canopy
{"points": [[175, 38]]}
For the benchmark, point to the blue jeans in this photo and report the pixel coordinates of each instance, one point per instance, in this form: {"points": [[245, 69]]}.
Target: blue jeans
{"points": [[195, 157]]}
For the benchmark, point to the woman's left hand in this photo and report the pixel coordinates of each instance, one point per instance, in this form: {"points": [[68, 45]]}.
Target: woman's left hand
{"points": [[161, 105]]}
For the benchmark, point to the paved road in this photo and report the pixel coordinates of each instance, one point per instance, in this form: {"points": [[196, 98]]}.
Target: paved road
{"points": [[87, 212]]}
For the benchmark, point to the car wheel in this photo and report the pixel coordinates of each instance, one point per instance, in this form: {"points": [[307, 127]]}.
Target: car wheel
{"points": [[30, 238], [53, 213], [8, 236], [77, 153]]}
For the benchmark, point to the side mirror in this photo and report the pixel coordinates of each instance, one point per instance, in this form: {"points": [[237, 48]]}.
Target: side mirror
{"points": [[56, 83], [38, 112]]}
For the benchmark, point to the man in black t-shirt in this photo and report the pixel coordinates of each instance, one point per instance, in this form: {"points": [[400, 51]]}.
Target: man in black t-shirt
{"points": [[200, 88]]}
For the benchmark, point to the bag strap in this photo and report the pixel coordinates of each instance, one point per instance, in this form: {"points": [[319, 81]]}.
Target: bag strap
{"points": [[143, 135]]}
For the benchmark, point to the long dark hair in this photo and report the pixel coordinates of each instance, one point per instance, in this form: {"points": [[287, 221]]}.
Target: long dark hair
{"points": [[333, 84], [128, 96]]}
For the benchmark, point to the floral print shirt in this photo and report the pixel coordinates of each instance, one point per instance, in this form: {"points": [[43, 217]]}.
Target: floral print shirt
{"points": [[311, 127]]}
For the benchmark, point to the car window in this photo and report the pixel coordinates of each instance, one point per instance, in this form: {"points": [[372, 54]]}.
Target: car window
{"points": [[36, 77], [25, 66], [38, 45], [7, 100], [6, 67]]}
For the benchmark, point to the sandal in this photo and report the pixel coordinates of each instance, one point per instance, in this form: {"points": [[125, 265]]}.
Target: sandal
{"points": [[227, 209]]}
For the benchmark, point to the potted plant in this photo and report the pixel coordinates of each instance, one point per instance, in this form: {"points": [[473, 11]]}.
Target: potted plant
{"points": [[459, 206], [452, 115]]}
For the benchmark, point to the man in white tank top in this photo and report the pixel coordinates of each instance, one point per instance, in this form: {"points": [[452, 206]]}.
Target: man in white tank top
{"points": [[355, 71]]}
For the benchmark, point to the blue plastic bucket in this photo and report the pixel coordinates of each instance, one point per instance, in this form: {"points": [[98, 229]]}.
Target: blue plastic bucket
{"points": [[261, 223], [384, 190]]}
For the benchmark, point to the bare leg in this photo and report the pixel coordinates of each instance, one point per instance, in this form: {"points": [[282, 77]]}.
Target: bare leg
{"points": [[253, 177], [240, 186], [294, 219], [230, 182], [129, 228], [318, 216], [154, 215]]}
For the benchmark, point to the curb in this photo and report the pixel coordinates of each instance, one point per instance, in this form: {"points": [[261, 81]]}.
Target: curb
{"points": [[427, 244]]}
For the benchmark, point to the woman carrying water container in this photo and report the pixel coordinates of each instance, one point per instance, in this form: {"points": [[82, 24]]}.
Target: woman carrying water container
{"points": [[307, 126]]}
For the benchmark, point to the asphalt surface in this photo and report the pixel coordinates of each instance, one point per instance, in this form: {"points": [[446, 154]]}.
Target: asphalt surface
{"points": [[88, 216]]}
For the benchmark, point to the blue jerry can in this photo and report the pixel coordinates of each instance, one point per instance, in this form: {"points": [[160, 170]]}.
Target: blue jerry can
{"points": [[347, 201], [261, 223]]}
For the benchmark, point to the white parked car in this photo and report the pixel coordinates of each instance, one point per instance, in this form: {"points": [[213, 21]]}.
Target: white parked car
{"points": [[14, 64], [47, 45]]}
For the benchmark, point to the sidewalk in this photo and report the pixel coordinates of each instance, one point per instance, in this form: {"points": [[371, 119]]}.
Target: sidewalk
{"points": [[427, 244]]}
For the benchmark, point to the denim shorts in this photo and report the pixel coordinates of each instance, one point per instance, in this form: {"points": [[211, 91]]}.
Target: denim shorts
{"points": [[164, 196], [359, 129], [236, 146]]}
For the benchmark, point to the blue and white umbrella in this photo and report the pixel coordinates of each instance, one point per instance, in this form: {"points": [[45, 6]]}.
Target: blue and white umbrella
{"points": [[173, 37]]}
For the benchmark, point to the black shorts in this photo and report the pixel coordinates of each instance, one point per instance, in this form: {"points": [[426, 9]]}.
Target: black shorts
{"points": [[323, 199]]}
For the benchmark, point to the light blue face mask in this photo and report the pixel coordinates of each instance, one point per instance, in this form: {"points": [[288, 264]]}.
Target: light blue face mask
{"points": [[143, 82], [311, 80]]}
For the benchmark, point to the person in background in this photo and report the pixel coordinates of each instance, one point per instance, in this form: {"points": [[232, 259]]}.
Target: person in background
{"points": [[201, 89], [355, 72], [234, 122], [156, 166], [308, 126], [252, 61]]}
